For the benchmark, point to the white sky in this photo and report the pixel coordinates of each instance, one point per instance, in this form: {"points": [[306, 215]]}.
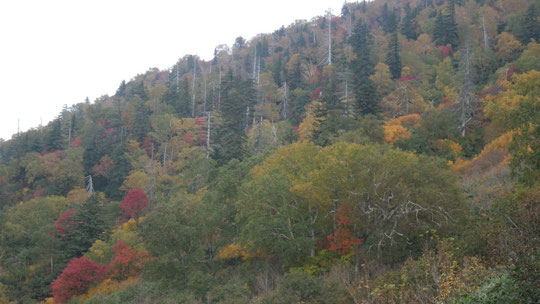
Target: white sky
{"points": [[58, 52]]}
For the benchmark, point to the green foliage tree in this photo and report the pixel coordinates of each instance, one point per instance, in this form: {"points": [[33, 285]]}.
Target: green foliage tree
{"points": [[28, 262]]}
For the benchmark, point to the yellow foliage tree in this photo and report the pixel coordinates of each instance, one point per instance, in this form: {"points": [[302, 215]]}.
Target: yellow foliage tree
{"points": [[382, 79], [397, 129], [508, 47], [393, 133], [77, 195], [309, 124]]}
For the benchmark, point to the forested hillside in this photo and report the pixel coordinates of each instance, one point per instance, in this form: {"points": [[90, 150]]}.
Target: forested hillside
{"points": [[389, 153]]}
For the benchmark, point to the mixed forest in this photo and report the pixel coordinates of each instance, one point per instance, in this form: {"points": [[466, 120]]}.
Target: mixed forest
{"points": [[386, 153]]}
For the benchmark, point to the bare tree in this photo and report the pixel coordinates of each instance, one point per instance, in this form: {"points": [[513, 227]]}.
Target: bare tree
{"points": [[467, 98]]}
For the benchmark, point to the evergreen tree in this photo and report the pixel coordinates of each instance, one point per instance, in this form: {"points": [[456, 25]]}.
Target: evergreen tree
{"points": [[120, 171], [121, 92], [450, 26], [264, 48], [363, 67], [85, 226], [408, 24], [238, 96], [389, 19], [328, 113], [55, 139], [392, 57], [438, 30], [530, 26]]}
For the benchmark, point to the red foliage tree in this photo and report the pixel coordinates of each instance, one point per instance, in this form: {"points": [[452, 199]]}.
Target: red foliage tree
{"points": [[76, 142], [342, 239], [64, 223], [188, 139], [147, 145], [446, 51], [134, 204], [76, 278], [126, 261]]}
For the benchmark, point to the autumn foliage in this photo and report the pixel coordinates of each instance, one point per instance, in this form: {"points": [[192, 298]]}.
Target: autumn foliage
{"points": [[64, 223], [76, 278], [134, 203], [342, 240], [127, 262]]}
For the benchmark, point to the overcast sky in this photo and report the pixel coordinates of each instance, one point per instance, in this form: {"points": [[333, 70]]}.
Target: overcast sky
{"points": [[58, 52]]}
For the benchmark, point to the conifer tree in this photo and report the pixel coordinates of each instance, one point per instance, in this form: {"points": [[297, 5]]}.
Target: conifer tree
{"points": [[408, 25], [438, 30], [363, 67], [530, 26], [328, 115], [392, 57], [450, 26], [238, 99], [54, 137]]}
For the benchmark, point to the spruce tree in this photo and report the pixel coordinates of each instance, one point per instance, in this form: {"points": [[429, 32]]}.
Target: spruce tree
{"points": [[392, 57], [363, 67]]}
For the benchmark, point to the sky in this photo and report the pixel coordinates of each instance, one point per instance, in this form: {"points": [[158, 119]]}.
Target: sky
{"points": [[59, 52]]}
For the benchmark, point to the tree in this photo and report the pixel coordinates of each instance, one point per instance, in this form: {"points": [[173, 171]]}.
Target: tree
{"points": [[121, 91], [438, 30], [77, 277], [508, 47], [54, 139], [389, 19], [126, 262], [362, 68], [450, 26], [525, 147], [86, 225], [392, 57], [134, 204], [445, 30], [530, 25], [28, 261], [383, 79], [238, 99], [408, 24]]}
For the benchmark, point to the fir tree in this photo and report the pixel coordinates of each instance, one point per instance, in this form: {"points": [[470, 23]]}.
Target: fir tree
{"points": [[392, 57], [438, 31], [389, 19], [450, 26], [363, 67], [530, 26], [121, 92], [408, 25], [55, 140], [238, 96], [329, 113]]}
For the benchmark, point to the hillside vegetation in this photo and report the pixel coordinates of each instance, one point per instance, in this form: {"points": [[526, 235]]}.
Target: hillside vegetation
{"points": [[386, 154]]}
